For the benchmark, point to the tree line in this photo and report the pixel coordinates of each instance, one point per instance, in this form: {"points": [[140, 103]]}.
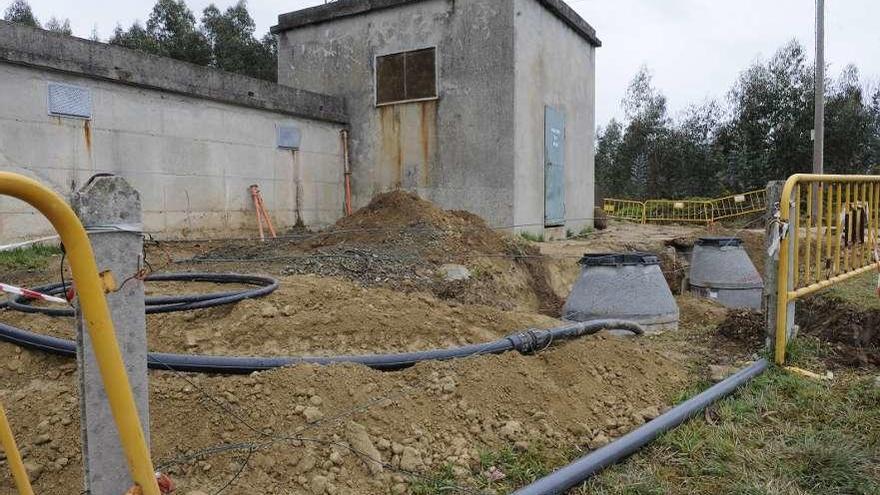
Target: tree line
{"points": [[761, 132], [221, 39]]}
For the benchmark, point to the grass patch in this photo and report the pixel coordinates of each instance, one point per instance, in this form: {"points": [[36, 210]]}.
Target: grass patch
{"points": [[532, 237], [859, 291], [28, 258], [585, 232], [443, 481], [519, 468], [781, 434]]}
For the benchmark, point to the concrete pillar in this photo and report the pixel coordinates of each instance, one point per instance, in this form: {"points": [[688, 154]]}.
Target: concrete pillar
{"points": [[110, 209], [771, 265]]}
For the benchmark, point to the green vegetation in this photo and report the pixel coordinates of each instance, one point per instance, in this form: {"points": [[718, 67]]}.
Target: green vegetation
{"points": [[781, 434], [859, 291], [760, 132], [585, 232], [532, 237], [222, 39], [440, 482], [30, 258], [519, 467]]}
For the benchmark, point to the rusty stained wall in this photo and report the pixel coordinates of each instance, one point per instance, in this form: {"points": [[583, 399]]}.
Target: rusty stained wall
{"points": [[191, 159], [407, 145], [458, 150]]}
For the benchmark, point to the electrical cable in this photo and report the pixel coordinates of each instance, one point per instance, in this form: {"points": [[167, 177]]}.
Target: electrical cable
{"points": [[526, 342], [165, 304]]}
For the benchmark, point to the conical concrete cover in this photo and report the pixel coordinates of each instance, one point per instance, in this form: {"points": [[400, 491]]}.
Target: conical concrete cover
{"points": [[627, 286], [722, 270]]}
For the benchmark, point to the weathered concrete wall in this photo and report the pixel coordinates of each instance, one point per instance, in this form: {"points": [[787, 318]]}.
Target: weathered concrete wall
{"points": [[554, 66], [457, 151], [191, 155]]}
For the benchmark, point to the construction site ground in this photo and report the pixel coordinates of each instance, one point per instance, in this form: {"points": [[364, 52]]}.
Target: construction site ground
{"points": [[378, 282]]}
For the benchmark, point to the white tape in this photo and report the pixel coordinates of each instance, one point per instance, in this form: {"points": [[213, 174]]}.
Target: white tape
{"points": [[11, 289]]}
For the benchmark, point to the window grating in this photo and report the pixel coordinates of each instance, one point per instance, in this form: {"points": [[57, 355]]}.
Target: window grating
{"points": [[70, 101], [406, 76]]}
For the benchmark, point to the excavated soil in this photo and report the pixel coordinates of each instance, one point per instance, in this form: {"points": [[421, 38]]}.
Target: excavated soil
{"points": [[312, 315], [400, 242], [371, 283], [854, 333], [745, 327], [349, 429]]}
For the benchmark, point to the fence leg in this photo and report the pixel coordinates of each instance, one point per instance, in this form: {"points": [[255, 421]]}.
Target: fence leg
{"points": [[771, 265], [103, 204]]}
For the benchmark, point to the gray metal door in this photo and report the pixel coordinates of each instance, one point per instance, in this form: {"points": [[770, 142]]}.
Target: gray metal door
{"points": [[554, 167]]}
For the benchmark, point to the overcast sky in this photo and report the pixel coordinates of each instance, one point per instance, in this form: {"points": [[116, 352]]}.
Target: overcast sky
{"points": [[695, 48]]}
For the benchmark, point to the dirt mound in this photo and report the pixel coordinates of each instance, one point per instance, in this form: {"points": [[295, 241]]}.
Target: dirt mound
{"points": [[853, 332], [402, 218], [400, 241], [745, 327], [312, 316], [699, 312], [351, 430]]}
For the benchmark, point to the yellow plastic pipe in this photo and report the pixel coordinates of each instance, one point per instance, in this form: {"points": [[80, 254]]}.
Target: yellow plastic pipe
{"points": [[7, 441], [96, 315]]}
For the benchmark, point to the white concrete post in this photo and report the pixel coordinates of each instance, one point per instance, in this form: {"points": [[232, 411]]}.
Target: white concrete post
{"points": [[110, 209]]}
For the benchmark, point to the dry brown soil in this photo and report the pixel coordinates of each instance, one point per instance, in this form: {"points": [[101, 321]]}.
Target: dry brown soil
{"points": [[370, 284]]}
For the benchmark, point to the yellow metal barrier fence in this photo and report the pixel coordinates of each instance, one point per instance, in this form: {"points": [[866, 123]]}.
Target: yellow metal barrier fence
{"points": [[624, 209], [830, 228], [702, 211], [739, 204], [97, 317], [685, 211]]}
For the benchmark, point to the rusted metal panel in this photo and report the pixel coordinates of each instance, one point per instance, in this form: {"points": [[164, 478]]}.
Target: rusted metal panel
{"points": [[554, 167], [407, 145]]}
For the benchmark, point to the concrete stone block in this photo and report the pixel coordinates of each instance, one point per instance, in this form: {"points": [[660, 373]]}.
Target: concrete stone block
{"points": [[111, 201]]}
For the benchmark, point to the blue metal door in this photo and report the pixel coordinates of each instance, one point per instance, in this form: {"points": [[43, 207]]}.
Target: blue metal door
{"points": [[554, 167]]}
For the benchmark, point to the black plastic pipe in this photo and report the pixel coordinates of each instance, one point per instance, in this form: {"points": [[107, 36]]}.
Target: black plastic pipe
{"points": [[582, 469], [525, 342], [165, 304]]}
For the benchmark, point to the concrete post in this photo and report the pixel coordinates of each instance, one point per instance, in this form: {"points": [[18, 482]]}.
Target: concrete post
{"points": [[771, 265], [110, 209]]}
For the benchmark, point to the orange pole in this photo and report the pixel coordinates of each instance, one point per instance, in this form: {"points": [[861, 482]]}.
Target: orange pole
{"points": [[255, 196], [266, 216]]}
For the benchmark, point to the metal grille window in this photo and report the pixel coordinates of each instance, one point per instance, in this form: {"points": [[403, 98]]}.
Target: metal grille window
{"points": [[406, 76], [69, 101]]}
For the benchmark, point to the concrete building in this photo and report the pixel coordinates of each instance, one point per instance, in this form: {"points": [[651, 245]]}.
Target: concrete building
{"points": [[190, 139], [484, 105]]}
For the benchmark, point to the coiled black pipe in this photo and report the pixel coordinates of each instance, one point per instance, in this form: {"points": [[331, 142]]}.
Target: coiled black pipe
{"points": [[165, 304], [525, 342], [580, 470]]}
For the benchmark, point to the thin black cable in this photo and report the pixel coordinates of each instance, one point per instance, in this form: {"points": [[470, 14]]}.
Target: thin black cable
{"points": [[238, 473]]}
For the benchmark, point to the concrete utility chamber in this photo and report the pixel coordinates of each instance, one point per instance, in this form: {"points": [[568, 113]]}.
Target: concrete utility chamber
{"points": [[721, 270], [627, 286]]}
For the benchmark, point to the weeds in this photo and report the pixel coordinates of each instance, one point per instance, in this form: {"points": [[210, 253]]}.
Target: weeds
{"points": [[585, 232], [442, 482], [859, 291], [29, 258], [529, 236], [780, 434]]}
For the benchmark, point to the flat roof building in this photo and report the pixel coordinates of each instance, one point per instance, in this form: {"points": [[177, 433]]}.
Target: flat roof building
{"points": [[483, 105]]}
